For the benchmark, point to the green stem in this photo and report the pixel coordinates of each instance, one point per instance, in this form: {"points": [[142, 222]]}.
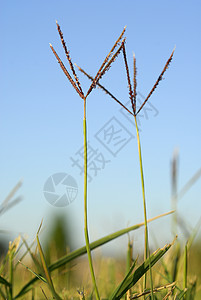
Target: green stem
{"points": [[185, 266], [85, 206], [11, 278], [146, 249]]}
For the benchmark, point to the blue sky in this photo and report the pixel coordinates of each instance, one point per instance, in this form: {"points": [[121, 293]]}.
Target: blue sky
{"points": [[41, 115]]}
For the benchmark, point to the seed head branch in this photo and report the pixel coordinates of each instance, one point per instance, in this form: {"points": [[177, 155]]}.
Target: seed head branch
{"points": [[105, 90], [106, 60], [66, 73], [157, 81], [134, 82], [68, 58], [108, 65], [128, 78]]}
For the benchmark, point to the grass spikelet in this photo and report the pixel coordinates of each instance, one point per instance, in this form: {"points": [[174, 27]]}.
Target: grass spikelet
{"points": [[66, 72], [157, 81], [103, 70], [128, 78], [68, 57], [134, 82], [105, 61], [111, 51]]}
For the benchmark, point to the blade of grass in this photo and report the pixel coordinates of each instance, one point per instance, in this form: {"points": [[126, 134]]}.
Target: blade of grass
{"points": [[81, 251], [129, 258], [181, 294], [11, 254], [121, 285], [4, 281], [185, 266], [138, 273], [3, 295], [31, 254], [46, 270], [175, 262], [10, 262], [34, 273]]}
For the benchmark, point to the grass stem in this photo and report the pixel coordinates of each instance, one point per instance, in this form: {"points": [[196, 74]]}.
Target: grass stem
{"points": [[85, 206], [146, 249], [11, 275]]}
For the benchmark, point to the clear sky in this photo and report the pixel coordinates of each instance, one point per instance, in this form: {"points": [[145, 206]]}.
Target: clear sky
{"points": [[41, 115]]}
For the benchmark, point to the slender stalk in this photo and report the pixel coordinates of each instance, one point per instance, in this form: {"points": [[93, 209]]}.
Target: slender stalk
{"points": [[146, 249], [174, 192], [11, 274], [85, 205], [185, 266]]}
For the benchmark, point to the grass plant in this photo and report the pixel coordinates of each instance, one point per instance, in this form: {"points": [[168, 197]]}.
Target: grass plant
{"points": [[132, 96], [110, 58], [18, 279]]}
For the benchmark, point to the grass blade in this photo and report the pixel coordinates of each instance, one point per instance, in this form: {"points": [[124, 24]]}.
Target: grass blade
{"points": [[185, 265], [131, 280], [81, 251], [46, 270], [34, 273], [4, 281]]}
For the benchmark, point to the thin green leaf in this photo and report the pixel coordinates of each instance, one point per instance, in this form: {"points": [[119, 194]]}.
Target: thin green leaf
{"points": [[34, 273], [81, 251], [46, 269], [138, 273], [4, 281], [181, 294], [3, 295], [185, 265]]}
